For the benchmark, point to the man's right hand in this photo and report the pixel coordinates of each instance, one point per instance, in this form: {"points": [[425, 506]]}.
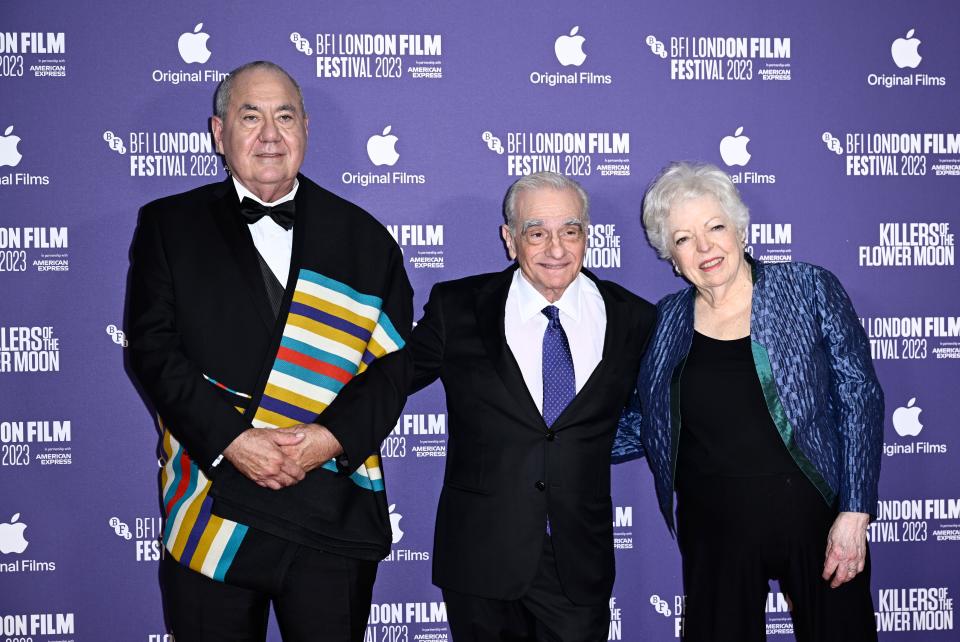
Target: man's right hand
{"points": [[257, 453]]}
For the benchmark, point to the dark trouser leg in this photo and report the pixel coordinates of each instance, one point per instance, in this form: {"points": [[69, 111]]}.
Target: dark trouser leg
{"points": [[820, 613], [557, 618], [324, 597], [199, 609], [722, 529], [478, 619], [544, 613]]}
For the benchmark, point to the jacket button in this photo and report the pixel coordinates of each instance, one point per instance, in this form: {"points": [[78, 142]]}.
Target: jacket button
{"points": [[550, 435], [539, 485]]}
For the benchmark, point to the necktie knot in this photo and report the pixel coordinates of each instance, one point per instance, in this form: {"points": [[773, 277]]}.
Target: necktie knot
{"points": [[552, 313], [282, 214]]}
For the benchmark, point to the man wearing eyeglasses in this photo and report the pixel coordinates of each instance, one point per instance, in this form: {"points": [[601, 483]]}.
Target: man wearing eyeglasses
{"points": [[537, 362]]}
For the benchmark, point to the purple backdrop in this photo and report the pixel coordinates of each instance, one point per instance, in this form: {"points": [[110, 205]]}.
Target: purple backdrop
{"points": [[843, 133]]}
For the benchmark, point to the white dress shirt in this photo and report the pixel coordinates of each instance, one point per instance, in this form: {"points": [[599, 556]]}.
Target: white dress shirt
{"points": [[582, 315], [274, 243]]}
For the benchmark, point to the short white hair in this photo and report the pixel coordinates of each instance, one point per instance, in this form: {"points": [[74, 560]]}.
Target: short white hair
{"points": [[542, 180], [681, 181]]}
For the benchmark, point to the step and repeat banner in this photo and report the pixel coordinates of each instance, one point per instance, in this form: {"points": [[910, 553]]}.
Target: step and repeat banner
{"points": [[839, 122]]}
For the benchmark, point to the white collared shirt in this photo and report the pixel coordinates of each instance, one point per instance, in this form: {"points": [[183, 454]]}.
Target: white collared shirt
{"points": [[274, 243], [582, 315]]}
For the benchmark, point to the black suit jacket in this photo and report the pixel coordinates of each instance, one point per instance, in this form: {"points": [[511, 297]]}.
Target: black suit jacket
{"points": [[198, 306], [506, 472]]}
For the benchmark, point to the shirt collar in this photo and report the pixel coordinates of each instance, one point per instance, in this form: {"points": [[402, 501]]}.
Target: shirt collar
{"points": [[532, 302], [244, 192]]}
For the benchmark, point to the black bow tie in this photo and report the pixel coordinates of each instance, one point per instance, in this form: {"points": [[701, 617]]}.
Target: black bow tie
{"points": [[282, 214]]}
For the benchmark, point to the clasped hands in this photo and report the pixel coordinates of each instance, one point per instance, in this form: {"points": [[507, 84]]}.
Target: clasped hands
{"points": [[277, 458]]}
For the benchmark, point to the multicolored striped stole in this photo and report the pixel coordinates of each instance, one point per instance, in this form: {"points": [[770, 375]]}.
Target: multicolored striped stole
{"points": [[331, 333]]}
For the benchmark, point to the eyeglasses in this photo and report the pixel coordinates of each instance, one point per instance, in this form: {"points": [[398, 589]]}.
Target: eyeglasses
{"points": [[539, 235]]}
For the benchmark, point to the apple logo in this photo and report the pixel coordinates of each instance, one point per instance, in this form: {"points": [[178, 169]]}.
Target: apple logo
{"points": [[8, 149], [11, 536], [395, 524], [381, 149], [193, 46], [733, 149], [904, 51], [569, 49], [906, 420]]}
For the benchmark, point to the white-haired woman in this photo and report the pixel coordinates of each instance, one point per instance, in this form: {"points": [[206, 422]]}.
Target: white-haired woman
{"points": [[758, 405]]}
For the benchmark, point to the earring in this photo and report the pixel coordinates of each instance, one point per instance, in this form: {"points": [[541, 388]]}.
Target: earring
{"points": [[676, 268]]}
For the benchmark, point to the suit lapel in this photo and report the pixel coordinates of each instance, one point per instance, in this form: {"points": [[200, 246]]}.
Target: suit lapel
{"points": [[305, 225], [613, 336], [490, 304], [237, 238], [616, 320]]}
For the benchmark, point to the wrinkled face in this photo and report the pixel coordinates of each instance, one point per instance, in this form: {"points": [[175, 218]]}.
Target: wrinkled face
{"points": [[263, 135], [704, 243], [551, 239]]}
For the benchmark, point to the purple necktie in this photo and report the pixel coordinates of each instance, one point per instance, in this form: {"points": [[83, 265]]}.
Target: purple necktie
{"points": [[559, 383]]}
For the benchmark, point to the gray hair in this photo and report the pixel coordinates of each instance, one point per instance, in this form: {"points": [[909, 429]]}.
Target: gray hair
{"points": [[542, 180], [221, 99], [681, 181]]}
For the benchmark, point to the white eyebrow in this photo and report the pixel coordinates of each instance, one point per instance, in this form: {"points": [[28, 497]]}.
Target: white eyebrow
{"points": [[533, 222]]}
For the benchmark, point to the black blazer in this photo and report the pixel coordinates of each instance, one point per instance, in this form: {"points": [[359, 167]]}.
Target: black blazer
{"points": [[198, 306], [506, 472]]}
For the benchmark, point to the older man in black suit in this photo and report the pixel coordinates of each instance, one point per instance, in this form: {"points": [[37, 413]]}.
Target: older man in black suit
{"points": [[267, 320], [537, 362]]}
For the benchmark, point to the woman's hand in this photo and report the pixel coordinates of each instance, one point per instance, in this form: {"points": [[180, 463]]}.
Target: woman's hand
{"points": [[846, 548]]}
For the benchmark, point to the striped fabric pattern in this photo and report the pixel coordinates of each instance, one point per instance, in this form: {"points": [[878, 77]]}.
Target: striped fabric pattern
{"points": [[191, 534], [332, 333]]}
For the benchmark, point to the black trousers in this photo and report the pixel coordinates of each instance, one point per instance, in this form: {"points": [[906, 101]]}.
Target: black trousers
{"points": [[318, 596], [736, 533], [543, 614]]}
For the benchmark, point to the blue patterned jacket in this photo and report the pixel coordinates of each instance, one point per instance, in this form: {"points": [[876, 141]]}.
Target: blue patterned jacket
{"points": [[813, 360]]}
